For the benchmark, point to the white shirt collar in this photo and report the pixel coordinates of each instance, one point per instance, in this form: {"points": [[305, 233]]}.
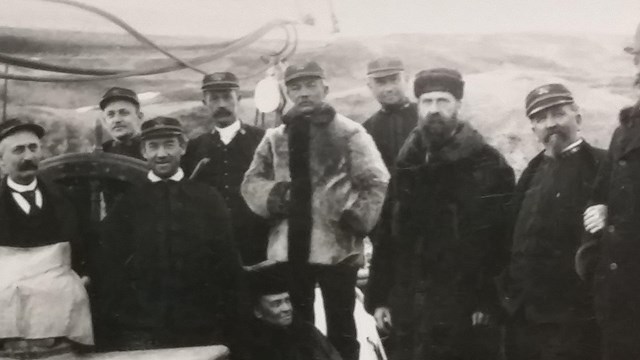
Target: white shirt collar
{"points": [[179, 175], [228, 133], [21, 188], [573, 145]]}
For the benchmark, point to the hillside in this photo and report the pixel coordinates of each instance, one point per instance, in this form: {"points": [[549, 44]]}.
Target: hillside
{"points": [[499, 70]]}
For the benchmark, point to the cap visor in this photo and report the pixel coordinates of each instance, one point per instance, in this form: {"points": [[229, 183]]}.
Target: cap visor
{"points": [[154, 134], [104, 102], [548, 104], [383, 73], [220, 86]]}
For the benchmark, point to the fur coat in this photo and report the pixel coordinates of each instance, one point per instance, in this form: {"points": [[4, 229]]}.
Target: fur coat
{"points": [[337, 197]]}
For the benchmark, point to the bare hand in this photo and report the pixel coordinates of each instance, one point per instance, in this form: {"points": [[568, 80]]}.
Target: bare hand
{"points": [[595, 218], [383, 318], [479, 318]]}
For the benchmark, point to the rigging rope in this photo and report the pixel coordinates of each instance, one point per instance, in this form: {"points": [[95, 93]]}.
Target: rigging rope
{"points": [[110, 74]]}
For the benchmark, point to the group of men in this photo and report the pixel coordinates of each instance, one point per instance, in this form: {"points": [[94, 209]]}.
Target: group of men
{"points": [[467, 264]]}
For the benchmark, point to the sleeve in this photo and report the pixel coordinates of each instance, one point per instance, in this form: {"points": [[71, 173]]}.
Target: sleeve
{"points": [[499, 235], [189, 161], [110, 257], [395, 217], [230, 278], [600, 191], [264, 196], [370, 179]]}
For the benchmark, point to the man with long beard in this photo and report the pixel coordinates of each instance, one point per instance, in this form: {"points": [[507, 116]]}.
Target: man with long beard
{"points": [[450, 228], [615, 222]]}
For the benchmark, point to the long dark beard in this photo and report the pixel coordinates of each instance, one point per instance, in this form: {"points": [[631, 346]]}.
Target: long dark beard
{"points": [[437, 130]]}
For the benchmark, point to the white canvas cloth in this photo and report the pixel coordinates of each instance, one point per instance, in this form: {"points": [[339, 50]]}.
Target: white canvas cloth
{"points": [[41, 297], [365, 325]]}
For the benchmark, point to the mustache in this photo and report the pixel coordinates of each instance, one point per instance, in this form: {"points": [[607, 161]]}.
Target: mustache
{"points": [[222, 112], [436, 117], [27, 165], [562, 134], [636, 82]]}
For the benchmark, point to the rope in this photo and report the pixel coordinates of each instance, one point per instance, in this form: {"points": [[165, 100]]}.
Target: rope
{"points": [[110, 74], [116, 20], [232, 47]]}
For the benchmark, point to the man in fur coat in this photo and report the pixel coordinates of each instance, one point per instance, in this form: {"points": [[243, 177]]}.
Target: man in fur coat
{"points": [[449, 236], [321, 180]]}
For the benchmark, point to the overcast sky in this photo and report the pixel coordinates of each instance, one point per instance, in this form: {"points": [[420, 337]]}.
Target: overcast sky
{"points": [[233, 18]]}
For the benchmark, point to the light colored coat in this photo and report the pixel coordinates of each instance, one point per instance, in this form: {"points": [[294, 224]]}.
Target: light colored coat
{"points": [[347, 173]]}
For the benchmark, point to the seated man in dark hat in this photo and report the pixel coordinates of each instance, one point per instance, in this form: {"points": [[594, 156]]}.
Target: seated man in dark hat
{"points": [[43, 302], [170, 273], [121, 117], [275, 335], [221, 157]]}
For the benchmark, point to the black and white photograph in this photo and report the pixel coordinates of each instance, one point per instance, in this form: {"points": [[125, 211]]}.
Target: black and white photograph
{"points": [[320, 180]]}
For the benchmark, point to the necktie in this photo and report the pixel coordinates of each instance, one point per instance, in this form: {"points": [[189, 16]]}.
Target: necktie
{"points": [[30, 196]]}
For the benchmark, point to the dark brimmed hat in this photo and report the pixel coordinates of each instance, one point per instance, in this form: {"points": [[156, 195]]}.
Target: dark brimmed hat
{"points": [[269, 279], [12, 126], [118, 93], [307, 69], [546, 96], [220, 81], [635, 47], [160, 126], [384, 66], [440, 79]]}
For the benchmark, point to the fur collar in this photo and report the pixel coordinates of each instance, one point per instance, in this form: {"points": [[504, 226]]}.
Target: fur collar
{"points": [[417, 150], [630, 115], [320, 115]]}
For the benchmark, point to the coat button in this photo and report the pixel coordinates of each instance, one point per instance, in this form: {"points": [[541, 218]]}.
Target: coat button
{"points": [[557, 195], [611, 228], [622, 163], [613, 266]]}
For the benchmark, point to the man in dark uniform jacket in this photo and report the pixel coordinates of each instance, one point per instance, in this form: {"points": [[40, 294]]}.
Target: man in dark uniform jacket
{"points": [[389, 128], [220, 158], [615, 220], [170, 270], [452, 188], [550, 308], [44, 302], [275, 334], [121, 117]]}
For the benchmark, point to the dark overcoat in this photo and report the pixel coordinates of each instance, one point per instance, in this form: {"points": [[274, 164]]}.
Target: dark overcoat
{"points": [[299, 341], [449, 243], [541, 272], [168, 261], [617, 288], [389, 127], [225, 172]]}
